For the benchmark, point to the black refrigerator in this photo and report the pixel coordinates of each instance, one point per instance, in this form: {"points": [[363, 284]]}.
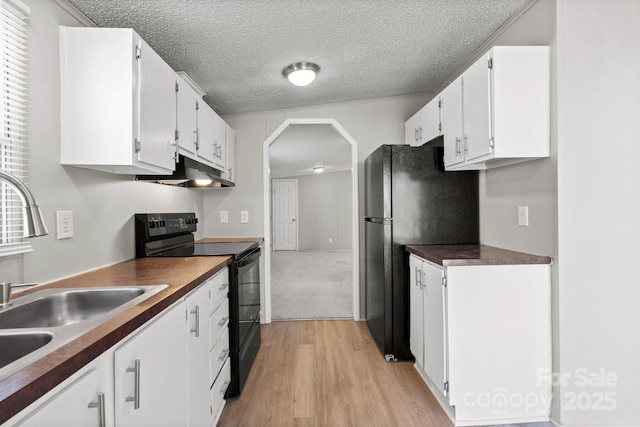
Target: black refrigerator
{"points": [[409, 199]]}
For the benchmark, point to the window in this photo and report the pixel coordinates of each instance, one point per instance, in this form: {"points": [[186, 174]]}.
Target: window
{"points": [[13, 121]]}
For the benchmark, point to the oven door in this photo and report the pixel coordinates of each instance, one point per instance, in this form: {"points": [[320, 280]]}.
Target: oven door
{"points": [[248, 280]]}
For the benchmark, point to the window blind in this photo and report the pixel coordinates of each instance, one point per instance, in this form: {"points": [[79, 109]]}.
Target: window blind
{"points": [[13, 120]]}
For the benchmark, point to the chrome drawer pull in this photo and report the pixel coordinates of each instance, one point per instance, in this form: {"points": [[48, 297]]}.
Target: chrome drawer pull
{"points": [[101, 409], [136, 385], [196, 312], [223, 354], [224, 386], [223, 286], [223, 321]]}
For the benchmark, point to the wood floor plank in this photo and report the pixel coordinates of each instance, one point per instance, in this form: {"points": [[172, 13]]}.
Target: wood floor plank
{"points": [[329, 373]]}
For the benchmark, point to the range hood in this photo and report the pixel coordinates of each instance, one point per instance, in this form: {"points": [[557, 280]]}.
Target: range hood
{"points": [[190, 173]]}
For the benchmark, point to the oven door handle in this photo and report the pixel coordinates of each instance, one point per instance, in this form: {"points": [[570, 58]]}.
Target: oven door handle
{"points": [[252, 257]]}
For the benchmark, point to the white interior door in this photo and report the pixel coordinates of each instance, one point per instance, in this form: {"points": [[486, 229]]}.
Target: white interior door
{"points": [[285, 211]]}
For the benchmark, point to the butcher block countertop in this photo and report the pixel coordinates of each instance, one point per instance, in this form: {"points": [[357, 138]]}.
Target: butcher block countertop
{"points": [[180, 274], [459, 255]]}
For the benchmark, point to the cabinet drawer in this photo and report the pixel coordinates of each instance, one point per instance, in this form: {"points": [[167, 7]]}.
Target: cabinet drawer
{"points": [[218, 355], [219, 289], [218, 322], [218, 390]]}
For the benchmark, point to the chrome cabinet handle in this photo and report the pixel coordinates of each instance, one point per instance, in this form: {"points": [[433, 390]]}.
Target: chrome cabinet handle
{"points": [[418, 278], [136, 385], [101, 409], [223, 321], [223, 286], [196, 311], [224, 386], [223, 354], [458, 151], [466, 144]]}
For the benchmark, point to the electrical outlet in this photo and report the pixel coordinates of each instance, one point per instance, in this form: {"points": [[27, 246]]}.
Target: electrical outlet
{"points": [[523, 216], [224, 217], [244, 217], [64, 224]]}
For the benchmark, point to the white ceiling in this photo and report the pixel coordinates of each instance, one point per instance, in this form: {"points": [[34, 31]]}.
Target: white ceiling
{"points": [[300, 148], [236, 49]]}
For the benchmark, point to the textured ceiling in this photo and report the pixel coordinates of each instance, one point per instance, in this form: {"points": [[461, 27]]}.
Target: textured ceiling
{"points": [[301, 147], [236, 49]]}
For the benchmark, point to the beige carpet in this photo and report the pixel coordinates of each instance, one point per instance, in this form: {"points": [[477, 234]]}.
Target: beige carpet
{"points": [[311, 285]]}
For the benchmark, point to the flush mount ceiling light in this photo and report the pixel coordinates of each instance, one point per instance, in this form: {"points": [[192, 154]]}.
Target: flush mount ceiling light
{"points": [[301, 73], [318, 169]]}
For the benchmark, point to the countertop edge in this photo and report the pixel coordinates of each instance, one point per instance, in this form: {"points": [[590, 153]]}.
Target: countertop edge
{"points": [[470, 255], [25, 386]]}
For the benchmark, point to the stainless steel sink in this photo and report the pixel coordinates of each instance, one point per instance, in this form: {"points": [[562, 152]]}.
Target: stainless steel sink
{"points": [[40, 322], [16, 345], [66, 307]]}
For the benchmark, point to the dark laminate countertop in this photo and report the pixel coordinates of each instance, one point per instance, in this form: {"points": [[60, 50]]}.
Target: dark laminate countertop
{"points": [[180, 274], [231, 239], [452, 255]]}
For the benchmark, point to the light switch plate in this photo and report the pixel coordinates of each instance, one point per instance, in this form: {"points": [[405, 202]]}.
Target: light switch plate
{"points": [[244, 217], [64, 224], [224, 217]]}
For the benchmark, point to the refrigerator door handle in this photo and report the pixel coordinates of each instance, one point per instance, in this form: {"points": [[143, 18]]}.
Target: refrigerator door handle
{"points": [[384, 221]]}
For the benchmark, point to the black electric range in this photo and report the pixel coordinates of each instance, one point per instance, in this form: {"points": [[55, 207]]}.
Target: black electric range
{"points": [[171, 235]]}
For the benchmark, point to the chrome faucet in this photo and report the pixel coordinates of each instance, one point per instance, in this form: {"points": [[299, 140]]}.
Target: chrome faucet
{"points": [[6, 289], [34, 224]]}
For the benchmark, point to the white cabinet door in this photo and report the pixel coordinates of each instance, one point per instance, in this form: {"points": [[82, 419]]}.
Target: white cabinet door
{"points": [[430, 120], [504, 112], [206, 134], [451, 119], [187, 100], [156, 109], [85, 402], [198, 356], [435, 337], [412, 130], [416, 310], [231, 154], [476, 110], [219, 143], [117, 103], [151, 374]]}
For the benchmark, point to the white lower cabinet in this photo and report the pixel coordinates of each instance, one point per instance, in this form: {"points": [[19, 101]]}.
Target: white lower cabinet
{"points": [[481, 336], [151, 374], [198, 361], [83, 400], [161, 375]]}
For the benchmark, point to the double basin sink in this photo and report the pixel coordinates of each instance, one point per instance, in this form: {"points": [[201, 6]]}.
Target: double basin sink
{"points": [[38, 323]]}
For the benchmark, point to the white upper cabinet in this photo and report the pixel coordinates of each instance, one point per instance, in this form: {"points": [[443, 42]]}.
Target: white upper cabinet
{"points": [[219, 143], [451, 117], [206, 150], [412, 130], [188, 100], [430, 120], [424, 125], [118, 108], [231, 154], [504, 110]]}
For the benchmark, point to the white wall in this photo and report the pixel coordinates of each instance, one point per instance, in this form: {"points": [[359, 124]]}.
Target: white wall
{"points": [[103, 204], [598, 45], [371, 123], [324, 211]]}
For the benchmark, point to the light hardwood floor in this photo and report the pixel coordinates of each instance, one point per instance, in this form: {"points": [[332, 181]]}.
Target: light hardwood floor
{"points": [[329, 373]]}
